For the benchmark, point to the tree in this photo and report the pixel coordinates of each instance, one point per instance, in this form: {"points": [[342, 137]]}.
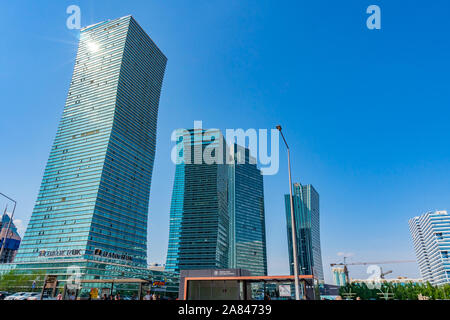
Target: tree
{"points": [[408, 291], [15, 281]]}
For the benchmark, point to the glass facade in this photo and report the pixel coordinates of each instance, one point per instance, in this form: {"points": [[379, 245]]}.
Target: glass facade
{"points": [[199, 222], [431, 238], [307, 221], [339, 277], [92, 205], [247, 216], [9, 239], [161, 282], [198, 237], [217, 211]]}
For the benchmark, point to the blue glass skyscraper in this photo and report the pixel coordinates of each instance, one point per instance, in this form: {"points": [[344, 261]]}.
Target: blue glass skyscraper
{"points": [[217, 212], [247, 215], [307, 220], [9, 239], [199, 221], [93, 201]]}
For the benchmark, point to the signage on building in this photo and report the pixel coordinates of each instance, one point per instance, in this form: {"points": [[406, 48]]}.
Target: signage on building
{"points": [[285, 290], [158, 283], [112, 255], [60, 253], [159, 286], [221, 273]]}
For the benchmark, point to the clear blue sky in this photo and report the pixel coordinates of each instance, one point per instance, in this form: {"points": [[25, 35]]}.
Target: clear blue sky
{"points": [[366, 112]]}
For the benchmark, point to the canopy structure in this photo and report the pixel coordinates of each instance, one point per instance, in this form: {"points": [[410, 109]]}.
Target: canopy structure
{"points": [[237, 287]]}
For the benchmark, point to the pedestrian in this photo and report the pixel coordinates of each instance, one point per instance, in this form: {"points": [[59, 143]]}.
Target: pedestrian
{"points": [[148, 296], [59, 296], [117, 296], [105, 297]]}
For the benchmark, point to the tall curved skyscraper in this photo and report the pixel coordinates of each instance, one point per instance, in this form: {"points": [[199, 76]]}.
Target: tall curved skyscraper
{"points": [[92, 207]]}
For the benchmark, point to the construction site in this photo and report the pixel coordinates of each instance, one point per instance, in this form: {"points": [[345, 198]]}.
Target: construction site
{"points": [[375, 272]]}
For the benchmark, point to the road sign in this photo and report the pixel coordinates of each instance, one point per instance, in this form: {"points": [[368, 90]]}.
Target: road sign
{"points": [[285, 290]]}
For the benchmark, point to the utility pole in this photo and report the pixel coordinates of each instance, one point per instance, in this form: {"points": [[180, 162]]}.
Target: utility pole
{"points": [[294, 237]]}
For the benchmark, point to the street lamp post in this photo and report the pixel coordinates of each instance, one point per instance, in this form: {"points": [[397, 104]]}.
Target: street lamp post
{"points": [[9, 224], [294, 237]]}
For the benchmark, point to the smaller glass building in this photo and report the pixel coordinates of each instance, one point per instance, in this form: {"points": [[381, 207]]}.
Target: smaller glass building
{"points": [[247, 215], [9, 239], [307, 226]]}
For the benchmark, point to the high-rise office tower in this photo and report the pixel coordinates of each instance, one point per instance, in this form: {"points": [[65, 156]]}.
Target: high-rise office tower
{"points": [[199, 219], [9, 239], [307, 220], [217, 211], [247, 216], [92, 206], [339, 276], [431, 238]]}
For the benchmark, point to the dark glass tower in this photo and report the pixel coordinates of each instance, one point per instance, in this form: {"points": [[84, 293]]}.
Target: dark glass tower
{"points": [[9, 239], [247, 217], [93, 202], [217, 211], [199, 221], [307, 220]]}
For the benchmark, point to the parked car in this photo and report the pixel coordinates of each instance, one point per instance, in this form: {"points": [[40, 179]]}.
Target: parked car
{"points": [[3, 295], [25, 296], [34, 296], [15, 296]]}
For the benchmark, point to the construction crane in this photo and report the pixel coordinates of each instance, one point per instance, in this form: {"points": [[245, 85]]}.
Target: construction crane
{"points": [[345, 264], [384, 273]]}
